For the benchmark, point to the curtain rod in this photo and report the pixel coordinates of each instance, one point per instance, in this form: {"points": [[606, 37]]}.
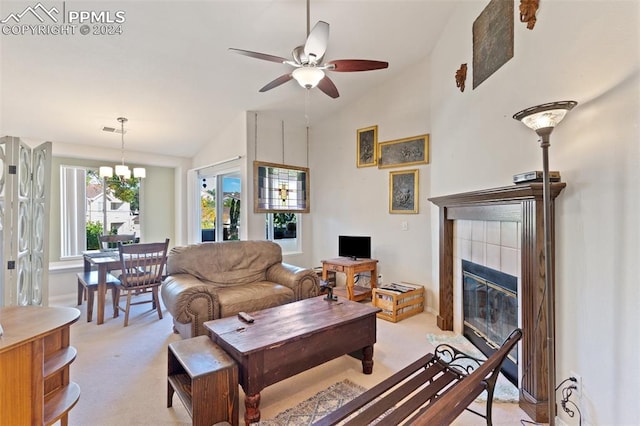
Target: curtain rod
{"points": [[228, 160]]}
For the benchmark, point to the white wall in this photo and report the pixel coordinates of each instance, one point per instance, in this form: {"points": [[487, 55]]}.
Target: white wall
{"points": [[262, 136], [347, 200], [585, 51]]}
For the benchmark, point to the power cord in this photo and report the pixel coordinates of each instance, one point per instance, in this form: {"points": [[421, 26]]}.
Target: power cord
{"points": [[566, 403]]}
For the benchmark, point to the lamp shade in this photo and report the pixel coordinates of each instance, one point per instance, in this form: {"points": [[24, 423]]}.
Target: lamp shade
{"points": [[105, 171], [122, 170], [545, 115], [139, 172], [308, 77]]}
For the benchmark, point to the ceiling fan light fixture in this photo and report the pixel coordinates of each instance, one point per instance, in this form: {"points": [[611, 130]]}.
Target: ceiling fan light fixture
{"points": [[308, 77]]}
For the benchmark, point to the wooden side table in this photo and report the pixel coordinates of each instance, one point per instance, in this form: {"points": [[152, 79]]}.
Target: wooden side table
{"points": [[206, 380], [350, 268]]}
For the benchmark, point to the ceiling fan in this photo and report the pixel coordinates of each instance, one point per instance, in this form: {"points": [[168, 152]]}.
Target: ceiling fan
{"points": [[307, 61]]}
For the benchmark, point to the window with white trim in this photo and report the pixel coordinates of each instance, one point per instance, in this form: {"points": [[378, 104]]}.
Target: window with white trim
{"points": [[91, 206], [284, 229]]}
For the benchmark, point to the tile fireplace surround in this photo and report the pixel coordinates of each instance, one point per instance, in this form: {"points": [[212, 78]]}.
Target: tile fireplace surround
{"points": [[523, 205]]}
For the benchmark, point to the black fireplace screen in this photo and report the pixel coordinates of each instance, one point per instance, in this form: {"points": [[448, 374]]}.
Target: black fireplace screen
{"points": [[490, 309]]}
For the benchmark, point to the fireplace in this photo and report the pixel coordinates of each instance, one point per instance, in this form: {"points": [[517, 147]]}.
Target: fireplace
{"points": [[490, 311], [522, 203]]}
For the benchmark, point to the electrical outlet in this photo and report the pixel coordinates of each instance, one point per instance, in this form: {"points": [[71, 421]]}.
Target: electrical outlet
{"points": [[578, 384], [379, 278], [404, 225]]}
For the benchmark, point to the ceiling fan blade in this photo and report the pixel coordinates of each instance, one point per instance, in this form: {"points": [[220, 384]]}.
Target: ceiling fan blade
{"points": [[317, 41], [277, 82], [327, 86], [350, 65], [258, 55]]}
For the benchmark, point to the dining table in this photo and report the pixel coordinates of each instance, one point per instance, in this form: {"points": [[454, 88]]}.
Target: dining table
{"points": [[104, 260]]}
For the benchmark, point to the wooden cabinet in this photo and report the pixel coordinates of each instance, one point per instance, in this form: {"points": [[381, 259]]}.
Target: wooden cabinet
{"points": [[35, 356]]}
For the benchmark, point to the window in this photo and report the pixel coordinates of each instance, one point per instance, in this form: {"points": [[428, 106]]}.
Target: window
{"points": [[220, 199], [88, 208], [284, 229]]}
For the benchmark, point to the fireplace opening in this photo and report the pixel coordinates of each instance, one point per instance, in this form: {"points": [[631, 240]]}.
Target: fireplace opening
{"points": [[490, 311]]}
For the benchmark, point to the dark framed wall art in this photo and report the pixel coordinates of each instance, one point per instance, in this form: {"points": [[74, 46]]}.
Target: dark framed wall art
{"points": [[492, 39]]}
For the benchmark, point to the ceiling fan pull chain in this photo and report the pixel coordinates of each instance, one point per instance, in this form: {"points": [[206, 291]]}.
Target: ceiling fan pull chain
{"points": [[306, 107], [308, 19]]}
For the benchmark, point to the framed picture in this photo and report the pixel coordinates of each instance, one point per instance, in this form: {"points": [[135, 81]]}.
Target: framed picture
{"points": [[403, 191], [404, 152], [367, 146], [280, 188], [492, 39]]}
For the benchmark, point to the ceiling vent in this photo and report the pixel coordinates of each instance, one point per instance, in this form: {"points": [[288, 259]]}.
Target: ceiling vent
{"points": [[113, 130]]}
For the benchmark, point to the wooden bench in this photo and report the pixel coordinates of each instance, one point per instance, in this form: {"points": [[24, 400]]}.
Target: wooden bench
{"points": [[433, 390]]}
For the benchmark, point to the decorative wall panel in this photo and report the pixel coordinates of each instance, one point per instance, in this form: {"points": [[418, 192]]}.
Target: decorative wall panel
{"points": [[24, 215]]}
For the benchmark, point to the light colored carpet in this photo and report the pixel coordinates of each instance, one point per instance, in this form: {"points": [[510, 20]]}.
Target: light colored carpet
{"points": [[318, 406], [122, 371], [505, 391]]}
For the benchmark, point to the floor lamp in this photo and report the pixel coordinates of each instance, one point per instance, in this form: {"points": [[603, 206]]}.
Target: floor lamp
{"points": [[543, 119]]}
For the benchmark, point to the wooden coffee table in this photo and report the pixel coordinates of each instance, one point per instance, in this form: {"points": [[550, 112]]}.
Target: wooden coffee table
{"points": [[292, 338]]}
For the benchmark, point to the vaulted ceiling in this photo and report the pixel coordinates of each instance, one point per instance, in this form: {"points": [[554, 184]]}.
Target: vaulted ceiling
{"points": [[171, 74]]}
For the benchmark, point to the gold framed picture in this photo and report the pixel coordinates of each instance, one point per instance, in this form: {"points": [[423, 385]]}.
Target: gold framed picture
{"points": [[404, 152], [403, 191], [367, 146]]}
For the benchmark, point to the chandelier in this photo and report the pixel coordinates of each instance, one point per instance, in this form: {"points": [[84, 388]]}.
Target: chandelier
{"points": [[122, 170]]}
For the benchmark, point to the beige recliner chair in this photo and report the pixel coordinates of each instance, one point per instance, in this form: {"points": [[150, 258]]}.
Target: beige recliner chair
{"points": [[214, 280]]}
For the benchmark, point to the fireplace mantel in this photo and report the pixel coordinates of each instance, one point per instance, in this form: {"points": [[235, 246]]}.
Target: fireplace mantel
{"points": [[516, 203]]}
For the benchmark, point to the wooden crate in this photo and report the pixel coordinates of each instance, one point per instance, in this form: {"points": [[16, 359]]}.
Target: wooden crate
{"points": [[396, 305]]}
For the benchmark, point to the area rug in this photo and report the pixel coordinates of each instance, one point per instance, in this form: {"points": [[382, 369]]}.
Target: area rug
{"points": [[505, 391], [318, 406]]}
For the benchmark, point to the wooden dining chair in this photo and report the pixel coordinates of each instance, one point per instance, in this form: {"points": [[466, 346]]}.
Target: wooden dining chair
{"points": [[111, 241], [142, 268], [88, 286], [87, 283]]}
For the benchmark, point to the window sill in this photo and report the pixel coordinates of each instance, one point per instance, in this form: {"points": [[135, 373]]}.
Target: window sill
{"points": [[65, 266]]}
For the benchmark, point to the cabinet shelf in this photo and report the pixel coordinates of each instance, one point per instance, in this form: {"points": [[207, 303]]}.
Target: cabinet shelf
{"points": [[181, 384], [35, 352], [60, 402], [59, 360]]}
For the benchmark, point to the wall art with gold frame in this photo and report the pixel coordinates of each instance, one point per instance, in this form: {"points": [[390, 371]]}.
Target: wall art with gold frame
{"points": [[279, 188], [403, 191], [367, 146], [404, 152]]}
